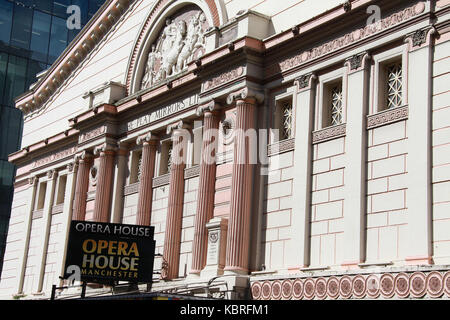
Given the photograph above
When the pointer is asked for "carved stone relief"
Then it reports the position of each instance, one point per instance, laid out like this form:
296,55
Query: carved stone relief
181,41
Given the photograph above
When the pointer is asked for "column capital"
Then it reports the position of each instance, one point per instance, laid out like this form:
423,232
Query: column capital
52,174
33,180
245,94
148,138
210,107
83,156
305,81
179,125
105,148
71,167
358,61
420,37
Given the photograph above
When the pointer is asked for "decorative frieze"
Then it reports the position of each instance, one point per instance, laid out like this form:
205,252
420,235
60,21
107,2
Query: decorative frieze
387,285
347,39
192,172
57,156
329,133
280,147
161,180
57,209
131,189
223,78
387,117
37,214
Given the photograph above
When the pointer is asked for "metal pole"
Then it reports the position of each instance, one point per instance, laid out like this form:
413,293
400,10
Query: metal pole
53,292
83,290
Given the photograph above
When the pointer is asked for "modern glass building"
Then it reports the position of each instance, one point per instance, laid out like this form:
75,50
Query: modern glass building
33,33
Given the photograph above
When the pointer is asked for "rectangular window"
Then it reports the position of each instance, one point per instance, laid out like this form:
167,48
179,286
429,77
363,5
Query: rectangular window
40,36
21,28
41,196
394,85
61,193
6,13
333,104
136,166
165,157
58,38
15,79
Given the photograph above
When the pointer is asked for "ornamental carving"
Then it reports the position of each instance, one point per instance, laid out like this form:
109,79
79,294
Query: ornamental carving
419,284
181,41
387,117
329,133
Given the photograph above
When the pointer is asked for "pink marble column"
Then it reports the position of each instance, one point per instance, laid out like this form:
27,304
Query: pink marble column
149,147
238,238
171,254
103,193
82,185
206,189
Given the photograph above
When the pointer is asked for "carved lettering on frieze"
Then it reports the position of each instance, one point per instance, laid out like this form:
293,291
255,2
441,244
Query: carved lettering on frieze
160,113
85,136
55,157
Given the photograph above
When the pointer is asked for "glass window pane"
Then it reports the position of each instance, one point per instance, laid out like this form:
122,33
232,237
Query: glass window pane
34,67
3,64
21,29
15,79
10,131
58,38
60,8
94,5
6,12
40,36
45,6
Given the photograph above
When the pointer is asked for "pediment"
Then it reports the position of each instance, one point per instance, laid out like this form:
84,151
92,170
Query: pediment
173,35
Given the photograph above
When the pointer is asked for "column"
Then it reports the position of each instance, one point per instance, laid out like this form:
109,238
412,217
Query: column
149,147
172,238
84,165
356,154
104,183
299,246
419,194
31,198
72,169
206,188
238,239
52,177
119,182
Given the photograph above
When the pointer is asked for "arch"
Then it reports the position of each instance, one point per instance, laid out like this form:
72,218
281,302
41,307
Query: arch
153,24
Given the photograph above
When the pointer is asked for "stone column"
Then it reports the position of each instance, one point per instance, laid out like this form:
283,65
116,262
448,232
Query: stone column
172,238
30,203
419,195
67,217
238,240
149,147
356,157
104,183
85,161
206,189
299,245
52,176
119,182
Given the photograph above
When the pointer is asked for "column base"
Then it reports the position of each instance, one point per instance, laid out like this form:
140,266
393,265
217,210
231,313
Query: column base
419,260
211,272
235,271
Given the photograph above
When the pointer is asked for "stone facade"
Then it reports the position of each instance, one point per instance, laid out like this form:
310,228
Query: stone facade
169,113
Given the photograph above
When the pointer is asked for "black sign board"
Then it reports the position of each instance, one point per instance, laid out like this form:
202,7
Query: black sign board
105,252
